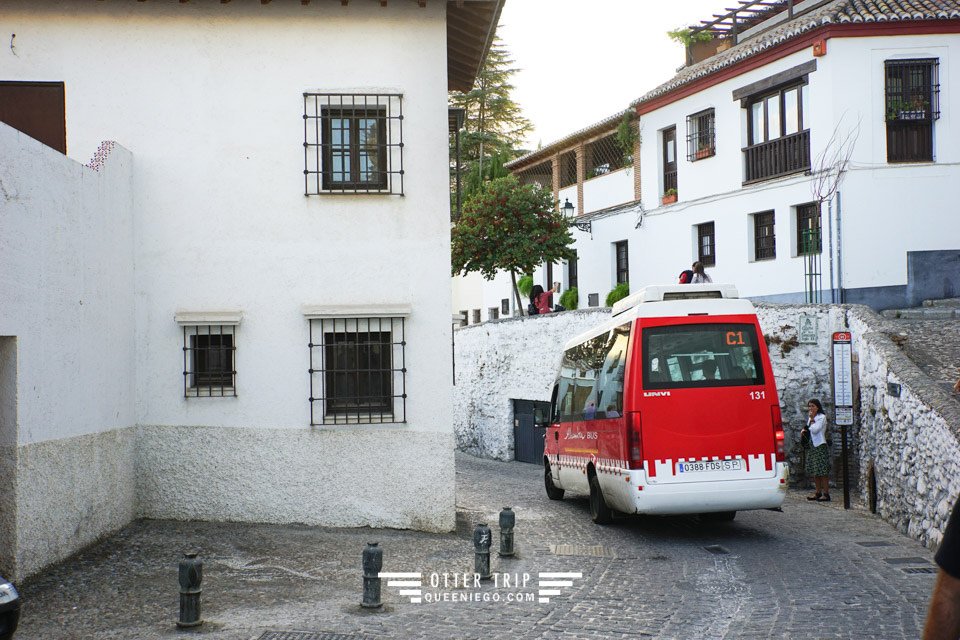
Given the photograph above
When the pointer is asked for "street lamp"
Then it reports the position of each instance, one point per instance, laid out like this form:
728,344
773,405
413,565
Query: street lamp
568,213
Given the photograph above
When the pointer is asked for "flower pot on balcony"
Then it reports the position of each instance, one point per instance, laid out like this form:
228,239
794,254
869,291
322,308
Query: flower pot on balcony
704,153
668,198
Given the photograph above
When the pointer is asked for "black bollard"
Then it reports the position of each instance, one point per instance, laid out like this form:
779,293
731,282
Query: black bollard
191,575
372,563
508,520
481,548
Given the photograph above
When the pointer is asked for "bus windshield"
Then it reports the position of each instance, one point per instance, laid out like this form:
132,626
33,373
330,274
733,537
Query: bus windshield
701,355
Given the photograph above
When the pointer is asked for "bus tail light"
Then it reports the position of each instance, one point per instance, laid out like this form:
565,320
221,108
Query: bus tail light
778,431
634,449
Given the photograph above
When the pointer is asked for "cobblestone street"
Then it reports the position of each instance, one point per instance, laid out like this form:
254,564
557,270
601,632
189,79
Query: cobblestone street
812,571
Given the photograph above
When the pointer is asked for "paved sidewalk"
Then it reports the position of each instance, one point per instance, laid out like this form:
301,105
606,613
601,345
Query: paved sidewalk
813,571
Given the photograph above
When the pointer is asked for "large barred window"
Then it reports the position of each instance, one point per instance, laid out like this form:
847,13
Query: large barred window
352,143
912,101
357,370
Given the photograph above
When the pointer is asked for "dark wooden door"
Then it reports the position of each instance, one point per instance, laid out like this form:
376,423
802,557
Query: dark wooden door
37,109
530,418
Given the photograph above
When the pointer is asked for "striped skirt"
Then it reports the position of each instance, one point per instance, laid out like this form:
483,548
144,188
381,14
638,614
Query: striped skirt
818,460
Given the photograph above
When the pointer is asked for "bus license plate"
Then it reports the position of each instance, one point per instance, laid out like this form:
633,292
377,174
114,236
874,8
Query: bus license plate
710,465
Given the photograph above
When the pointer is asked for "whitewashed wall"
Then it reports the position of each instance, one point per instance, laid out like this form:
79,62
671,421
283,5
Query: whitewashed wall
911,442
67,289
209,99
608,190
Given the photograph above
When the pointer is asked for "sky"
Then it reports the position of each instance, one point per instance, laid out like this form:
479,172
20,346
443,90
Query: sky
581,61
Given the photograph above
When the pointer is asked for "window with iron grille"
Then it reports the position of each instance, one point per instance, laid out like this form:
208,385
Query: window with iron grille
493,313
572,276
464,317
352,143
476,316
505,306
808,229
706,244
701,138
568,169
208,361
912,102
603,156
357,370
623,263
764,240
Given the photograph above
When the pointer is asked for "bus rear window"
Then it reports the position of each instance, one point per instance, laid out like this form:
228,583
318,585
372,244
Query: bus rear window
701,355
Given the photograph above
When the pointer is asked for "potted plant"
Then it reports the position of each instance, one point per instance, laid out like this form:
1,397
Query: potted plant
669,196
618,293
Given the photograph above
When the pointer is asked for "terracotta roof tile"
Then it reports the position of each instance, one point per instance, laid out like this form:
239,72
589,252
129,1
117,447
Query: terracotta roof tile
835,12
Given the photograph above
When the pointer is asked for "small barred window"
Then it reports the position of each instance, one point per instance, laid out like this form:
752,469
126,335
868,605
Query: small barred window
208,361
352,143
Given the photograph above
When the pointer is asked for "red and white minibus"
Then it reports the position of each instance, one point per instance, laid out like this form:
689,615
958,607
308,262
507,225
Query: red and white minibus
669,407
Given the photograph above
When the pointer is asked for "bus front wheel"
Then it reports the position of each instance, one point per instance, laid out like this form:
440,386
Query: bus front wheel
599,510
553,491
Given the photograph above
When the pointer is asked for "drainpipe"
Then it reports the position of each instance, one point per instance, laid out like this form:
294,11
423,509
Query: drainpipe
833,299
839,253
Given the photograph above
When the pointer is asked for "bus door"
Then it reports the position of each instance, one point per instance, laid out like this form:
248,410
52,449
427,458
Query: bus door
708,405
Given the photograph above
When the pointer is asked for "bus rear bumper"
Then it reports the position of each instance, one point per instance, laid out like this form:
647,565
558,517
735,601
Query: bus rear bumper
706,497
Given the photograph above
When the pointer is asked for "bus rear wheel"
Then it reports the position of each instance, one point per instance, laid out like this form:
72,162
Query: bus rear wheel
553,491
599,511
718,516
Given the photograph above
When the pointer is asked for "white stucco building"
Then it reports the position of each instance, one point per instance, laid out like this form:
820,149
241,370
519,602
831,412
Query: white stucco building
739,139
240,310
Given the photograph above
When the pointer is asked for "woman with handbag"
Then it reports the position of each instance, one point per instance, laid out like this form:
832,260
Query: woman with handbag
818,452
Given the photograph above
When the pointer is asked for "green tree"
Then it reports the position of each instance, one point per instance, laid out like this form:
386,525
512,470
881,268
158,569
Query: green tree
494,125
511,227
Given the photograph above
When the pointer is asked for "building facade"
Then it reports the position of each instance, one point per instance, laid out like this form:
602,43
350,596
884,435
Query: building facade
808,156
233,316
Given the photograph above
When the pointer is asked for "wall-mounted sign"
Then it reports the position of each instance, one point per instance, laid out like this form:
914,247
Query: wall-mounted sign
842,378
808,329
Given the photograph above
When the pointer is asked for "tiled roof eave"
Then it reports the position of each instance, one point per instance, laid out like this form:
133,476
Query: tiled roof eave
840,12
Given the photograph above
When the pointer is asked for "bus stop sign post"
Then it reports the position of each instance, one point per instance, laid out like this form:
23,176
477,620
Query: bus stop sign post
843,400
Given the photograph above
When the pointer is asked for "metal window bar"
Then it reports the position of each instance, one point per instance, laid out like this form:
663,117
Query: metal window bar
669,180
541,174
912,89
568,169
765,247
505,306
623,263
361,378
352,143
209,361
808,221
912,104
706,253
701,137
572,274
811,243
493,313
476,316
604,156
